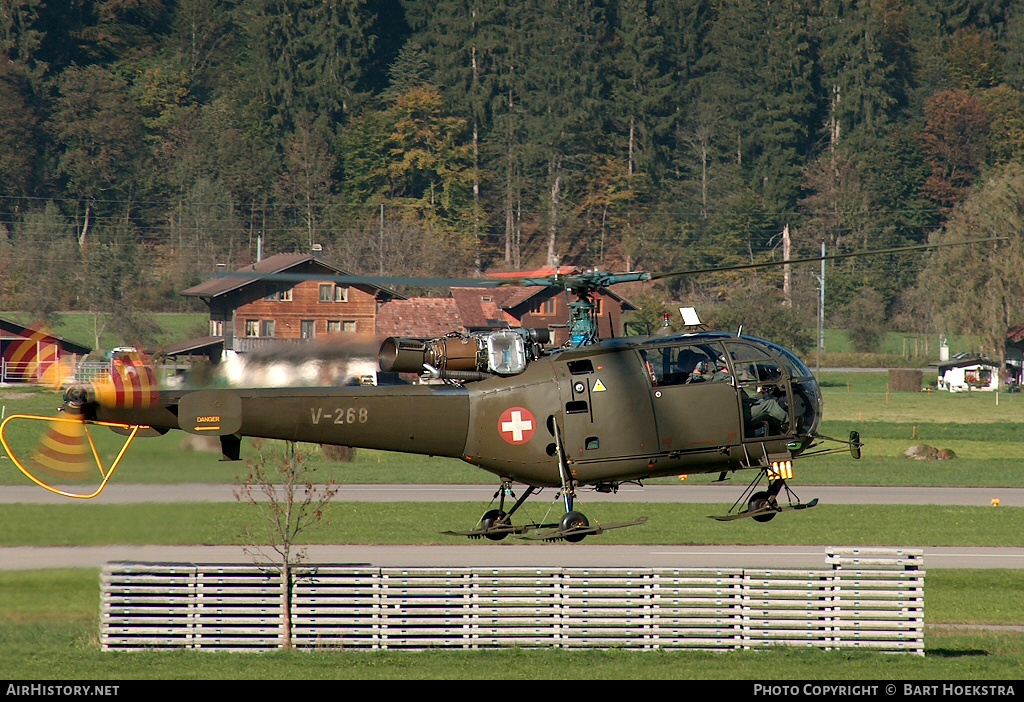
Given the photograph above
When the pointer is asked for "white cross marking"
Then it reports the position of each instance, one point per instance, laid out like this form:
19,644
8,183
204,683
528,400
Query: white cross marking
517,426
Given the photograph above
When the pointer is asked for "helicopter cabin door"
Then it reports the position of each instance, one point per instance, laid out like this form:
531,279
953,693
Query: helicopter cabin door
764,391
607,413
695,409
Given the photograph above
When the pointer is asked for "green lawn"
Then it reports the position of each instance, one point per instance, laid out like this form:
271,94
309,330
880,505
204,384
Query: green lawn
80,524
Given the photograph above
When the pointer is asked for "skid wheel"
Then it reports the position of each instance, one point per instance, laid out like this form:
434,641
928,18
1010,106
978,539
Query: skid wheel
573,520
491,518
759,500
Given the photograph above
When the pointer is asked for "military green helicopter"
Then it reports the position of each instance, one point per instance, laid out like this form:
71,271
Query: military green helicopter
591,414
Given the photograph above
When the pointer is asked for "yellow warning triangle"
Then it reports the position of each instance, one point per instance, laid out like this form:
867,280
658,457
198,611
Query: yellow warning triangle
599,386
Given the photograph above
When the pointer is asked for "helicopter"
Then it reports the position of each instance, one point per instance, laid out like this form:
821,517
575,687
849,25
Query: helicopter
594,413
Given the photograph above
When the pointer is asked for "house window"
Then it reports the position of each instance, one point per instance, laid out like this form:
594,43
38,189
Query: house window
333,327
598,306
333,293
276,292
252,327
308,329
348,326
216,327
543,307
267,327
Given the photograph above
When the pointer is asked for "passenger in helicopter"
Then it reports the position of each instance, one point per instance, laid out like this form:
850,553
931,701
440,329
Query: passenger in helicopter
764,408
762,411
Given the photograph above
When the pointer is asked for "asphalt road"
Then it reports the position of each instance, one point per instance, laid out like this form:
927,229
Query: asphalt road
511,553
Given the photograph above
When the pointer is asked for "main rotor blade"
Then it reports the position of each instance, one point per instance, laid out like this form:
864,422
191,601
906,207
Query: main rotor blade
816,259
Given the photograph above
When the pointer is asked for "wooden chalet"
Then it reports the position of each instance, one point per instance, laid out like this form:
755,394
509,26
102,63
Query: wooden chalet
250,311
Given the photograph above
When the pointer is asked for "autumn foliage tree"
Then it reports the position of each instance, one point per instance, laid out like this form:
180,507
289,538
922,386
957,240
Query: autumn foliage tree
954,140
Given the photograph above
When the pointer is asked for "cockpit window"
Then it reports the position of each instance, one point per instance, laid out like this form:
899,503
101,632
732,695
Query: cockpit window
754,365
683,364
796,368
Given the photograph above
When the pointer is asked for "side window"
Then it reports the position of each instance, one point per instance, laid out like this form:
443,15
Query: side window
680,365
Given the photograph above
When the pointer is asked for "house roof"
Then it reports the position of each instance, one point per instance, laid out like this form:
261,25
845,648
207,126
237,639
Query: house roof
200,346
279,263
11,330
483,309
420,317
966,362
538,273
1016,334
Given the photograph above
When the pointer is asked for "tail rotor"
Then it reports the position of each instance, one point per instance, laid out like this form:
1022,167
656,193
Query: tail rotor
66,452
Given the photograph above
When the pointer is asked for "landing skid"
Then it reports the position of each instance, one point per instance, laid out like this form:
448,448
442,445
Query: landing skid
499,532
544,532
763,505
765,511
579,532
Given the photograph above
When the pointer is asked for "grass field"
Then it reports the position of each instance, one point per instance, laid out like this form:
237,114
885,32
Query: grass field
49,619
422,523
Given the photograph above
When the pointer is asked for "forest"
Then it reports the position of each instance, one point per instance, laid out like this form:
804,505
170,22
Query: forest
143,142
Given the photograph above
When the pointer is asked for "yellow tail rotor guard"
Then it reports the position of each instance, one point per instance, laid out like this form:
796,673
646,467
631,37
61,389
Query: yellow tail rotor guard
105,473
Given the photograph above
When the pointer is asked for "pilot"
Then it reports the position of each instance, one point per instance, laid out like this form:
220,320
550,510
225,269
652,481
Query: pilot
721,370
701,372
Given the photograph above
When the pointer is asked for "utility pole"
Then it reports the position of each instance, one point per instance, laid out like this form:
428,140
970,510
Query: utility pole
821,308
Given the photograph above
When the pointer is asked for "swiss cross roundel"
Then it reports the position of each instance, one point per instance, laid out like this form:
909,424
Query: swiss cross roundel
517,425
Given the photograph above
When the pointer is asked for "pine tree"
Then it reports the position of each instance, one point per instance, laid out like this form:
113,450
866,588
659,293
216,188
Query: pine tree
303,57
640,87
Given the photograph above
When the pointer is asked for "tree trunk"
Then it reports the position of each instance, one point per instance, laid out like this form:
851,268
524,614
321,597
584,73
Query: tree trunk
556,187
631,137
85,226
286,605
787,291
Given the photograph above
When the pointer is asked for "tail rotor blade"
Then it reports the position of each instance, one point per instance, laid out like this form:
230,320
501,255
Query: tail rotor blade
64,452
